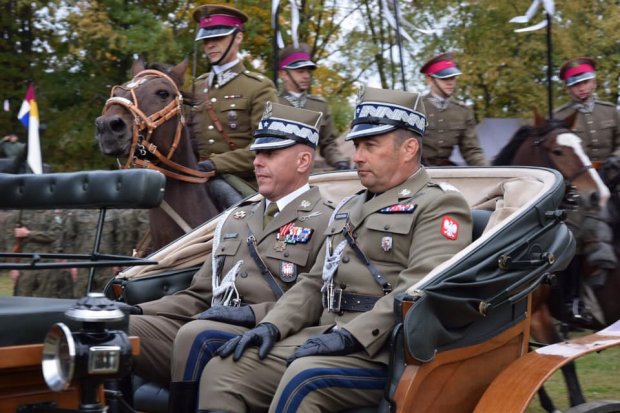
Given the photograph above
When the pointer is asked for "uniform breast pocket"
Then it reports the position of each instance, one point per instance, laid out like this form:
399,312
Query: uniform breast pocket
387,237
228,248
234,114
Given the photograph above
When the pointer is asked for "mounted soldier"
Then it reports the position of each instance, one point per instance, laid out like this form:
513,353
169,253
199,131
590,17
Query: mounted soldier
450,122
598,125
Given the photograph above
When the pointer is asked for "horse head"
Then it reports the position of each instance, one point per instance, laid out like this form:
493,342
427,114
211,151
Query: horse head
551,143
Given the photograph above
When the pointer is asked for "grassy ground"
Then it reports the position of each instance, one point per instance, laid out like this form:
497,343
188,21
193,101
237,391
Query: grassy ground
599,373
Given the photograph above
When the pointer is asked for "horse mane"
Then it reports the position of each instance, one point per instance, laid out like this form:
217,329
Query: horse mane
508,152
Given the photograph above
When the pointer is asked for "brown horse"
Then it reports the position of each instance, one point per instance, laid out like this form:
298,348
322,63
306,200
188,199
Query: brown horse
552,144
143,121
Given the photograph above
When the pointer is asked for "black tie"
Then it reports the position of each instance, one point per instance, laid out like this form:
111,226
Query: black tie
271,212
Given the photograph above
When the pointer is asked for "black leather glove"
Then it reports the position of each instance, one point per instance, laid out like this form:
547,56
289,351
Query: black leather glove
206,166
263,335
126,308
239,316
342,166
335,343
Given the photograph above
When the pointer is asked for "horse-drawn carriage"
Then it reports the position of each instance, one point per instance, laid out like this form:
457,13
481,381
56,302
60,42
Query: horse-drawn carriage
461,341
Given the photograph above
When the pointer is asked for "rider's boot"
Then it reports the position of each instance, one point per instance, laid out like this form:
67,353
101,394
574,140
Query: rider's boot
183,397
599,251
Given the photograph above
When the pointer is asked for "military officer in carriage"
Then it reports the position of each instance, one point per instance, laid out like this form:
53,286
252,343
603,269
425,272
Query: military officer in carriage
259,248
598,125
326,340
230,102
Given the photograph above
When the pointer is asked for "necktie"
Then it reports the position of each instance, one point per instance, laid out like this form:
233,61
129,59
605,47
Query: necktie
271,211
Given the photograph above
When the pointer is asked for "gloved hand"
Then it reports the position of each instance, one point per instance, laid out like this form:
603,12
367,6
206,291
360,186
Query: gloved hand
206,166
126,308
263,335
239,316
342,166
335,343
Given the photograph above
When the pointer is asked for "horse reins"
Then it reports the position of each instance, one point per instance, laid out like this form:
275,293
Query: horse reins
142,144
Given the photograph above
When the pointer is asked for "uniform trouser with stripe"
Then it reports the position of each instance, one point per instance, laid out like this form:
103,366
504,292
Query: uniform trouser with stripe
195,344
156,335
309,384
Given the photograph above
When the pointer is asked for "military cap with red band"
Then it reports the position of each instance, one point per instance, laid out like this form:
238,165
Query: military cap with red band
295,58
578,70
441,66
216,20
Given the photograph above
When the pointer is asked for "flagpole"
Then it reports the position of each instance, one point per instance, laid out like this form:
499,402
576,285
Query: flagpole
549,66
276,52
400,44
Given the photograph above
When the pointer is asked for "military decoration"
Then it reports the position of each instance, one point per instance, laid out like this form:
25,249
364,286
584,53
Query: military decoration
449,228
291,234
288,272
386,243
398,209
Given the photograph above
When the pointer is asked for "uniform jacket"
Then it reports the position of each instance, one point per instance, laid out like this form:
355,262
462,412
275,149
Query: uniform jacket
417,246
239,102
308,210
448,127
328,146
599,130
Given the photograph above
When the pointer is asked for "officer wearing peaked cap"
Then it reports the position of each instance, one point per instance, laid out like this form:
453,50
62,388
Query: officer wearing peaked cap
450,122
295,69
230,102
334,325
598,125
258,251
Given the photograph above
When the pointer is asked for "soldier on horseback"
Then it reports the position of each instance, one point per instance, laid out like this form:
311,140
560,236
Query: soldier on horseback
598,125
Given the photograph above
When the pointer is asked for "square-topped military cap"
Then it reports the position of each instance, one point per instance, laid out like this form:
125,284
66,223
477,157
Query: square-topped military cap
380,111
282,126
442,66
292,57
216,20
578,70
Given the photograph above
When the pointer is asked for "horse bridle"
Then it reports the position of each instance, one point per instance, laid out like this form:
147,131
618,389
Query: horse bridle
142,144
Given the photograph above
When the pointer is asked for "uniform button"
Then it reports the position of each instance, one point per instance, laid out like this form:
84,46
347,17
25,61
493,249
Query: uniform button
213,99
386,227
440,120
346,259
217,86
211,141
244,274
210,127
223,249
375,332
286,253
232,105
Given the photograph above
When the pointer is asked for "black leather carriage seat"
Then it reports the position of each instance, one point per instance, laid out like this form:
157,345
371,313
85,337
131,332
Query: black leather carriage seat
480,218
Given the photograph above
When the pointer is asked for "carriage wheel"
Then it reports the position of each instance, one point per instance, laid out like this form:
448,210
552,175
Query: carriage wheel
597,406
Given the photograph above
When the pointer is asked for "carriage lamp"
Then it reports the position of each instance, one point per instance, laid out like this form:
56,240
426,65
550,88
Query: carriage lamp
89,356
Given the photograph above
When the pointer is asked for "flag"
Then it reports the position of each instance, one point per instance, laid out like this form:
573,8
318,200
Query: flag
29,116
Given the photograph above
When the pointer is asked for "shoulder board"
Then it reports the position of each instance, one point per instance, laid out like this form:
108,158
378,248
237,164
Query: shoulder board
247,202
564,107
329,203
602,102
446,187
254,75
319,98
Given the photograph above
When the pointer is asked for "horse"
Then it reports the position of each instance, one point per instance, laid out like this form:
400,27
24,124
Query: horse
552,144
143,121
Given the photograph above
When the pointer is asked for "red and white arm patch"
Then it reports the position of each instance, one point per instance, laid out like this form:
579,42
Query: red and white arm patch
449,228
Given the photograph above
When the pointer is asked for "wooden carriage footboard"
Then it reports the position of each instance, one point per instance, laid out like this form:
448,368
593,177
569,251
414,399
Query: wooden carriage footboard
514,388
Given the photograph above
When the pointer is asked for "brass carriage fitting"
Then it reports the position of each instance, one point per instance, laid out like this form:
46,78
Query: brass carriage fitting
503,262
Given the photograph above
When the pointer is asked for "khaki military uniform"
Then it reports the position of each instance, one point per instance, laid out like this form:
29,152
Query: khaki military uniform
238,97
447,128
328,146
599,130
79,238
162,318
46,228
404,245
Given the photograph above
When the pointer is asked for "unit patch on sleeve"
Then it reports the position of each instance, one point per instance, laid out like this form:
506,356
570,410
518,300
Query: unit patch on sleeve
449,228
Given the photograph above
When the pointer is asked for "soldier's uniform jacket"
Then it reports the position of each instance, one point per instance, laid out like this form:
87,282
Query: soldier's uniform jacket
599,129
404,243
284,259
238,98
328,146
454,125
